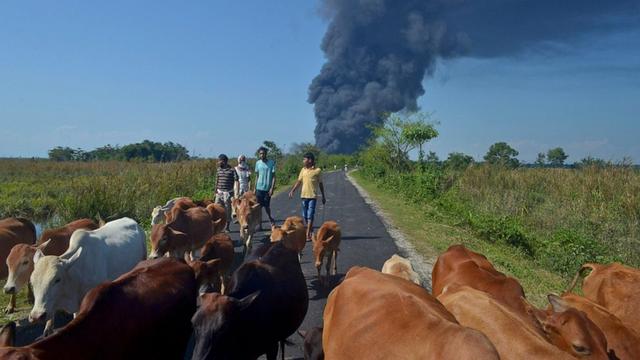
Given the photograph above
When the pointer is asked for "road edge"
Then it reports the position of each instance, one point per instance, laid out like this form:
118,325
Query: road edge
421,265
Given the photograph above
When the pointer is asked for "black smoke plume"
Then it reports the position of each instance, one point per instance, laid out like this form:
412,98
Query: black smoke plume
379,51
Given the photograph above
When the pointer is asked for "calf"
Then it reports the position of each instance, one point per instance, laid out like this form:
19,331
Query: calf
462,266
219,246
152,305
513,335
624,341
292,234
183,203
312,343
327,242
266,302
218,216
249,216
14,231
372,315
189,230
616,287
400,267
60,282
20,259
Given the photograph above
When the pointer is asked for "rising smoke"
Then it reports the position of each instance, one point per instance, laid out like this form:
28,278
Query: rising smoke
379,51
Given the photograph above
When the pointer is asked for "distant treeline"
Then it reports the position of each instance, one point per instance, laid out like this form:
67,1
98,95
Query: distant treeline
145,151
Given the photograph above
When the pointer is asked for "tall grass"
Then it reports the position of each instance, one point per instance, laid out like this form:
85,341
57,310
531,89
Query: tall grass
559,217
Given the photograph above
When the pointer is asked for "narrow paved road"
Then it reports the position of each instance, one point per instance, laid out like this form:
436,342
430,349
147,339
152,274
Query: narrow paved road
365,242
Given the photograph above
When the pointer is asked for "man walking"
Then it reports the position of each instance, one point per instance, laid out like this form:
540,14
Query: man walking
225,178
265,182
310,179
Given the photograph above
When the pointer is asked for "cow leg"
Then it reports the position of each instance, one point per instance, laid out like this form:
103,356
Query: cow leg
222,284
272,351
282,349
335,262
48,328
30,298
328,268
12,304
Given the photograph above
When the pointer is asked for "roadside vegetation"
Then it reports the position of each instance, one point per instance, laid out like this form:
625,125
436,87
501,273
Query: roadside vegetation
538,222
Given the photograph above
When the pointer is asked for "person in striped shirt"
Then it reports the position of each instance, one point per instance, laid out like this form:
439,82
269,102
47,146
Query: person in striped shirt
226,176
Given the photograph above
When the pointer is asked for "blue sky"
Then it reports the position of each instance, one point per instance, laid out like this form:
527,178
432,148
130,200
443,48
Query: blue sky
223,76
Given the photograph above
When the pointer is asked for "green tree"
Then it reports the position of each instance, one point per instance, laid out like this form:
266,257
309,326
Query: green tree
60,153
274,151
458,161
541,159
556,156
398,135
418,132
591,161
502,154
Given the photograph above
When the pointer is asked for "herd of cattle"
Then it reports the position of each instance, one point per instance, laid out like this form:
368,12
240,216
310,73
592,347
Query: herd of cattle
126,306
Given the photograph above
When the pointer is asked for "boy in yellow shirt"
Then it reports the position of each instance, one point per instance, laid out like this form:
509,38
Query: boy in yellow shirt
310,178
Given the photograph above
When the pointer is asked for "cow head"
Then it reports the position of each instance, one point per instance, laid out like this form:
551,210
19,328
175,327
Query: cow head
218,325
572,331
20,265
207,275
164,240
157,215
49,279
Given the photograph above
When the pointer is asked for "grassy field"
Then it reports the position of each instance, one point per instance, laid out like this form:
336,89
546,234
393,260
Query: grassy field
432,231
54,193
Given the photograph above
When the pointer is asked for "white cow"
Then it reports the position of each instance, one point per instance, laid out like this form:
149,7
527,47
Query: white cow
93,257
158,212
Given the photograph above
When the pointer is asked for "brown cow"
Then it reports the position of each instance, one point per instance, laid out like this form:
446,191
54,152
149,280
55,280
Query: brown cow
189,230
144,314
20,259
623,340
249,216
266,302
218,216
459,265
57,239
616,287
219,246
14,231
372,315
398,266
250,196
327,242
8,334
513,335
292,234
182,203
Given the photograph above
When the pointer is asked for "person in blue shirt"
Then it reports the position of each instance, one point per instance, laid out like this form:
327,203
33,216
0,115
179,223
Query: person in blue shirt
265,182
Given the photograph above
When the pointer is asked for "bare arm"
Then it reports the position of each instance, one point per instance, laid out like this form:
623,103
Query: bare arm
293,189
273,184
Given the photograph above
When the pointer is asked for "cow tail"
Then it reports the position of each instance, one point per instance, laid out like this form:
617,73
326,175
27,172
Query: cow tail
579,275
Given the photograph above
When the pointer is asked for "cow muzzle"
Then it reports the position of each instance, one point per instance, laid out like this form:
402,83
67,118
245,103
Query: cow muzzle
35,317
9,289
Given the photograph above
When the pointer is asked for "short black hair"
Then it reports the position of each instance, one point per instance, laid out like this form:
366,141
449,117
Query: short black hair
309,156
262,148
223,157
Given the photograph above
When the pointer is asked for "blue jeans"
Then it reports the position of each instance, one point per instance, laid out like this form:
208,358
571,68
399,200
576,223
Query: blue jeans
308,209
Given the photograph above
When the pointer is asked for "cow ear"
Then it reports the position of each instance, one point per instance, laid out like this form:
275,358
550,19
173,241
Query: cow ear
37,256
246,301
8,334
557,303
72,260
